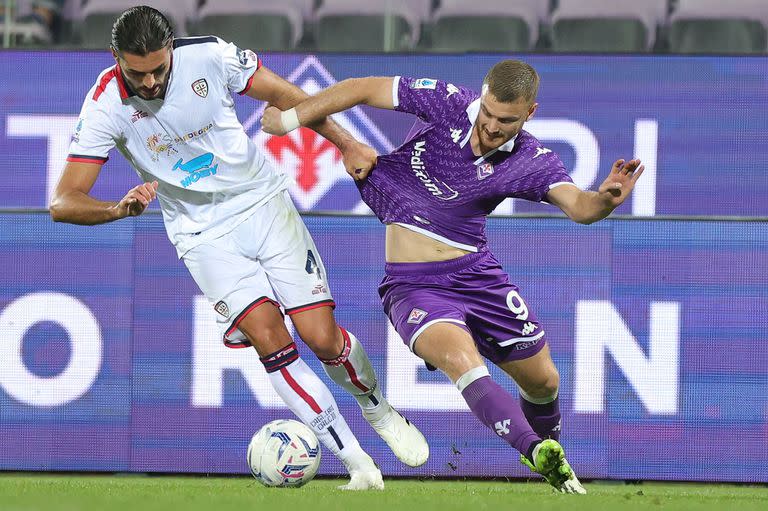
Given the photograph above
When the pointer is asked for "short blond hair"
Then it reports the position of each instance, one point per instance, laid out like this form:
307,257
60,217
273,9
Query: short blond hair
512,79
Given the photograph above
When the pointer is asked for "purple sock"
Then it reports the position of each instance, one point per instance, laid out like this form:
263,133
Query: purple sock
544,419
497,409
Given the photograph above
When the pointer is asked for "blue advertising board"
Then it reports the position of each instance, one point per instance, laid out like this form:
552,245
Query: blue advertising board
698,123
111,360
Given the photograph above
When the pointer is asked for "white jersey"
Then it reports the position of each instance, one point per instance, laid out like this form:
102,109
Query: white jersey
211,175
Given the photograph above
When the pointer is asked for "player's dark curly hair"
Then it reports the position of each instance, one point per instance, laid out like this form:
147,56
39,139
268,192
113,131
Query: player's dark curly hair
141,30
512,79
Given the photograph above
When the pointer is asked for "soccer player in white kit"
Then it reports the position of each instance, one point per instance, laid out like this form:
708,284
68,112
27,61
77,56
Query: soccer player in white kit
167,106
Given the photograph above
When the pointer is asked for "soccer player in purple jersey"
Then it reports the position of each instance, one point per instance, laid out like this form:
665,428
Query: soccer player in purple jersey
444,291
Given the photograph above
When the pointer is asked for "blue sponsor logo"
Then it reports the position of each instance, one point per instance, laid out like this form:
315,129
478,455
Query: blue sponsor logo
197,168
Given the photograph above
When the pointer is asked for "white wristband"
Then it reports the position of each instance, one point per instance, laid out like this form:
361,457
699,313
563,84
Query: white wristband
290,120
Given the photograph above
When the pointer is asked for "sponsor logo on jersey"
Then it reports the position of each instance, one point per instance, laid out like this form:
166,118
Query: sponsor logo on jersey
434,186
452,89
200,87
424,83
319,180
78,129
416,316
160,144
243,56
197,168
193,134
540,151
484,170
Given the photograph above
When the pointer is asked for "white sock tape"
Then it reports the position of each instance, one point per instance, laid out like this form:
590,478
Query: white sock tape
290,120
471,376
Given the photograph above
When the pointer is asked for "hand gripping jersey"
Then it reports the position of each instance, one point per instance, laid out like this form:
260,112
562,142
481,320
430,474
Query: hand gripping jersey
211,174
433,183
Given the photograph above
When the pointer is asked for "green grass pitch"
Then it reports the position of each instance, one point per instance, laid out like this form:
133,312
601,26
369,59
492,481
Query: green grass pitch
28,492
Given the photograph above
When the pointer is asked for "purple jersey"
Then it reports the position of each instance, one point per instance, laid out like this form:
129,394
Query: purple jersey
435,185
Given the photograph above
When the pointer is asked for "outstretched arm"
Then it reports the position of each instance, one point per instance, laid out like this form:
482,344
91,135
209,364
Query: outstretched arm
281,94
373,91
589,207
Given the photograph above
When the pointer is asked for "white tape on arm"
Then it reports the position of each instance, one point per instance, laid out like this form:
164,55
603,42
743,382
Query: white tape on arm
290,120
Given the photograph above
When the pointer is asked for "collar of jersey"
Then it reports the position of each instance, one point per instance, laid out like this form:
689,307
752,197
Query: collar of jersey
125,91
472,110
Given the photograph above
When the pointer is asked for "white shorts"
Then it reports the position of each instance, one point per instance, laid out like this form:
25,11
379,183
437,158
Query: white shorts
270,257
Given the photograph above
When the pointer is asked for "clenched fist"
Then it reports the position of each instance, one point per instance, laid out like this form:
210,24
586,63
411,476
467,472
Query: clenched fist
137,199
271,121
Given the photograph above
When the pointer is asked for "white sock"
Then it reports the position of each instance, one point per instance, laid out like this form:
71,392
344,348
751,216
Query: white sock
308,397
353,371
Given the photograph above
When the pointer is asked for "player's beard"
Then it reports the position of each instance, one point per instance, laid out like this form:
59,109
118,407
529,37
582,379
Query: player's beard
490,141
156,92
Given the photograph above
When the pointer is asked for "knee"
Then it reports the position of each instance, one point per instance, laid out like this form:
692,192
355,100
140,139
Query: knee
269,338
544,387
324,340
457,363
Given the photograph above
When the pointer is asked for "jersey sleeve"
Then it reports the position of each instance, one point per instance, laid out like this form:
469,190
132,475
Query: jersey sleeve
94,134
429,99
239,66
546,171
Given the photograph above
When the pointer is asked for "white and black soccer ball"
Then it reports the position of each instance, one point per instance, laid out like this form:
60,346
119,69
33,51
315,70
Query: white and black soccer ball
284,453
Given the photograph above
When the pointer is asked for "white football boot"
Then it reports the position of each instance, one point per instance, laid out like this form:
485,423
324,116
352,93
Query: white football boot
405,440
365,476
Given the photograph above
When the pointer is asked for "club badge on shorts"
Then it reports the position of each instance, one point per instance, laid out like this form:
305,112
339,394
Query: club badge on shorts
416,316
200,87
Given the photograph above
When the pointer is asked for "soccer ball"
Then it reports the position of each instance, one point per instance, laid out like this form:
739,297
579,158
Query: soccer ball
284,453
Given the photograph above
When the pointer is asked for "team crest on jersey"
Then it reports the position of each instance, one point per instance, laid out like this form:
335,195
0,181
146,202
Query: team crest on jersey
160,144
200,87
222,308
313,163
484,170
416,316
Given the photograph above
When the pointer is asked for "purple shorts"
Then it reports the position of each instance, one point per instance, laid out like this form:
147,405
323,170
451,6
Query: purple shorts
474,293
